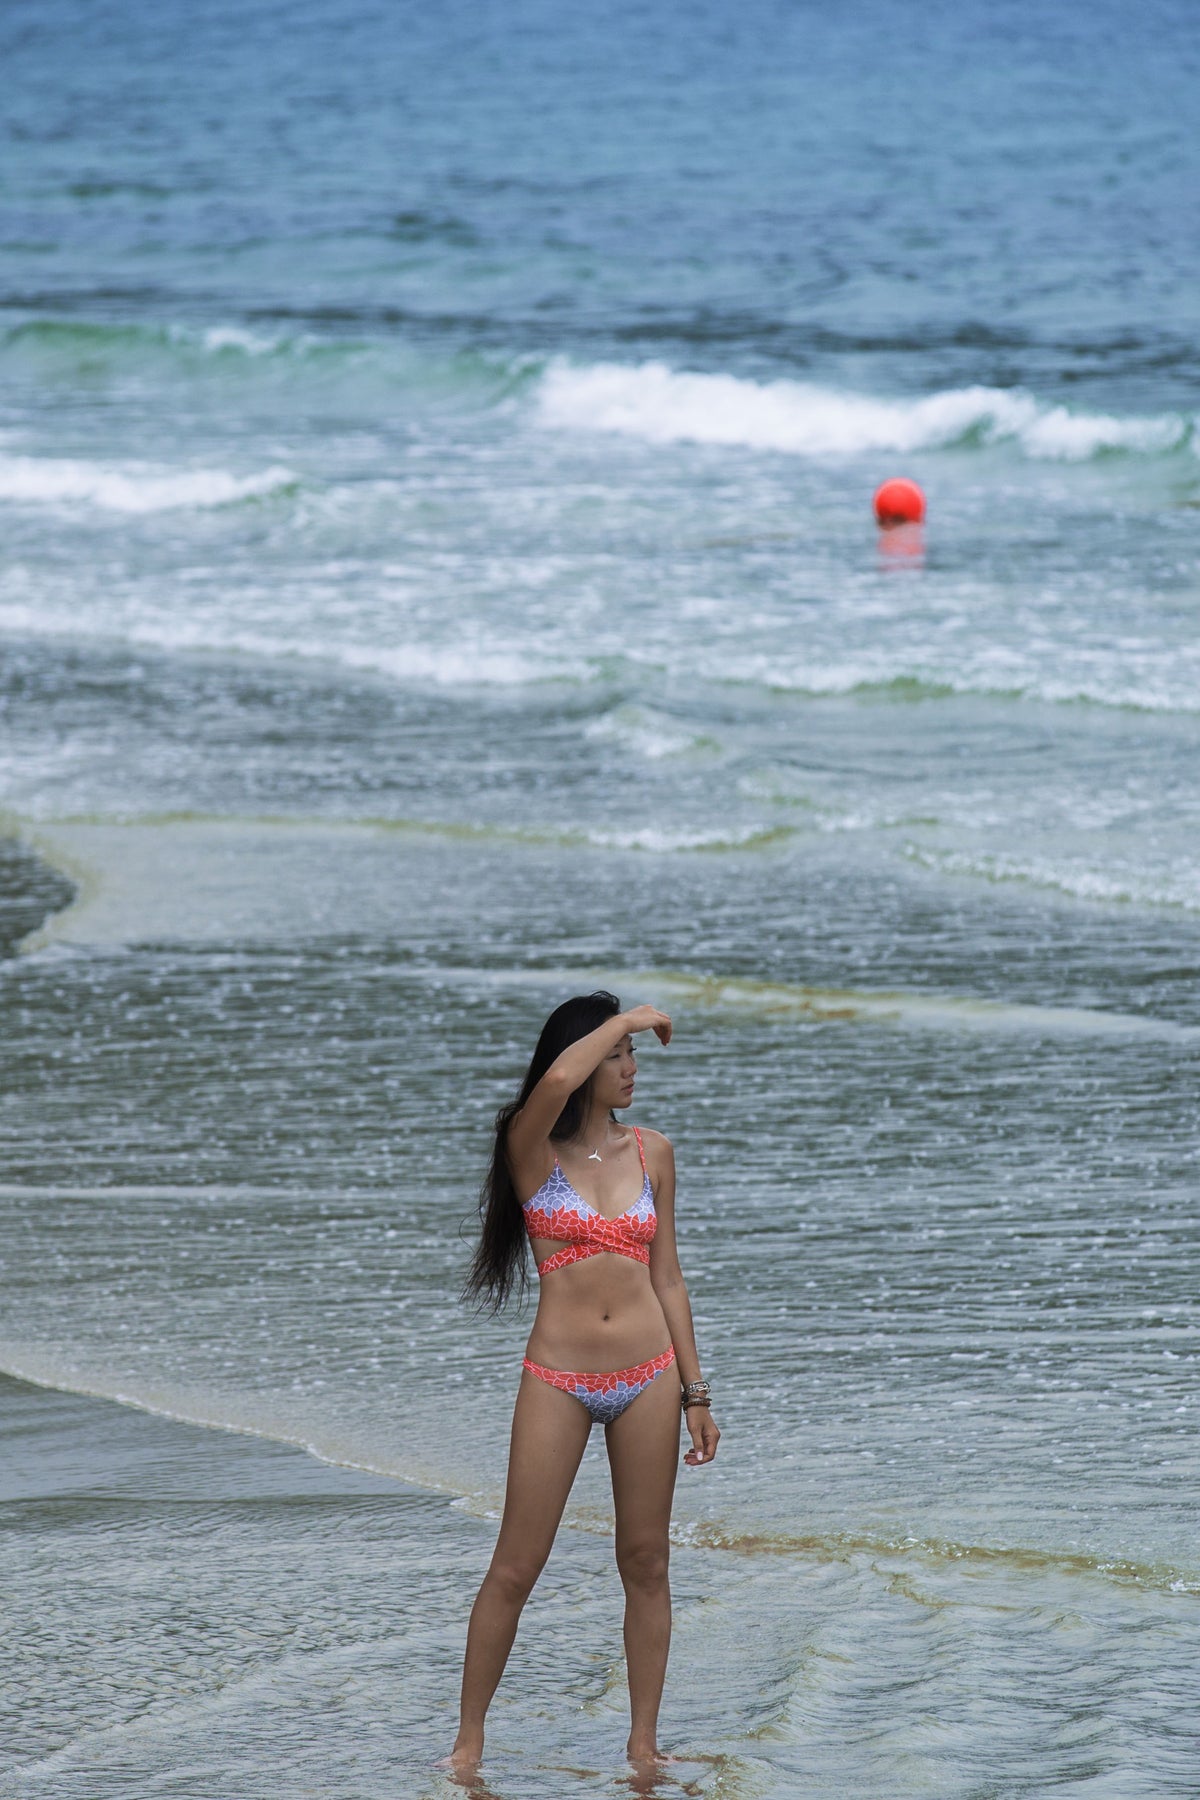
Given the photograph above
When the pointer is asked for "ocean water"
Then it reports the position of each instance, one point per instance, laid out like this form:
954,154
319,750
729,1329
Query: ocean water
437,575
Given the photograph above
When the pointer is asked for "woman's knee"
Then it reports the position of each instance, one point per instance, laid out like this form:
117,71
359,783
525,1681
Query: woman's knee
644,1562
513,1578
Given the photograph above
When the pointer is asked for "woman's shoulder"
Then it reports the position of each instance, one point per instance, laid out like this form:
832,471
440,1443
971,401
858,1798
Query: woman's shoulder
656,1142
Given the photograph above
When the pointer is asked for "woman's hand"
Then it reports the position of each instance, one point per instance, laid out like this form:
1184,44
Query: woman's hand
648,1018
704,1434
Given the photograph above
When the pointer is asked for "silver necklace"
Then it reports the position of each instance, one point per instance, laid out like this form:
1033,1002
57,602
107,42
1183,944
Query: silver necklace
594,1155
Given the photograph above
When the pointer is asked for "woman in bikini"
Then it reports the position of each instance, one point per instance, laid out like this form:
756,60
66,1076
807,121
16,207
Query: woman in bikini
612,1342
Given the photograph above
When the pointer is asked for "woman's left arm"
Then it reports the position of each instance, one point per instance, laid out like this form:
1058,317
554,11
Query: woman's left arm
666,1278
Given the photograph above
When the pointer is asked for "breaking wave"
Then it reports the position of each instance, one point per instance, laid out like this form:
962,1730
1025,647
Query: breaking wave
649,400
61,481
663,406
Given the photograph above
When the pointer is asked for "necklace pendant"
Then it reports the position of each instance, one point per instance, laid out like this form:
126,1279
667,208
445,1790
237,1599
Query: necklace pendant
595,1156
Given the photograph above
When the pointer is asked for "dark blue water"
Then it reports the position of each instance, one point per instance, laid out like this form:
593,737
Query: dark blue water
962,193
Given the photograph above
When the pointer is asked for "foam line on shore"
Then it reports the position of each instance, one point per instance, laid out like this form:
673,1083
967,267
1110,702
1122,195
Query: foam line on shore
42,1368
932,1011
719,993
930,1551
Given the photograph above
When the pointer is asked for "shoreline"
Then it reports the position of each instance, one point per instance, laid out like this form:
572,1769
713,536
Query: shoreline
156,1441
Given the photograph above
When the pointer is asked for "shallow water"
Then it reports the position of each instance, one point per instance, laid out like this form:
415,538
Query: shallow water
438,576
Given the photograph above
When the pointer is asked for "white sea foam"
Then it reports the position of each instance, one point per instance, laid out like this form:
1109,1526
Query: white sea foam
644,733
1175,888
663,405
129,488
654,837
477,665
234,337
1168,682
466,665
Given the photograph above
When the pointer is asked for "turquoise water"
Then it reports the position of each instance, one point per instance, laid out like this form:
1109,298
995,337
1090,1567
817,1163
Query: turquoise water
438,575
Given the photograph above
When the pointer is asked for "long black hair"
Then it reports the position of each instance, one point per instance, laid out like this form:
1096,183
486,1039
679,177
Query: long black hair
498,1265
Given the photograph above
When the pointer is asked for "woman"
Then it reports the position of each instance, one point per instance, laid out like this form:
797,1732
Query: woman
612,1342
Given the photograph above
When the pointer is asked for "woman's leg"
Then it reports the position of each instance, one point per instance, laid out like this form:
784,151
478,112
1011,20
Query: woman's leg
643,1453
549,1433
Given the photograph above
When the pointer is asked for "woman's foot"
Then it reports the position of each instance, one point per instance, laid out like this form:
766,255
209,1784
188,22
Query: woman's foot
648,1765
643,1753
464,1760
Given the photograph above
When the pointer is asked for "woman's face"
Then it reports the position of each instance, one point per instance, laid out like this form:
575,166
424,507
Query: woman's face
612,1084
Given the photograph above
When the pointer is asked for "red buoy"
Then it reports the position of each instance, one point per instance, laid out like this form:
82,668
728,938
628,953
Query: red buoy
899,502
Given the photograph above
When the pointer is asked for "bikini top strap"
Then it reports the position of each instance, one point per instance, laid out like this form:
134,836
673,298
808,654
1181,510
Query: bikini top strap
637,1134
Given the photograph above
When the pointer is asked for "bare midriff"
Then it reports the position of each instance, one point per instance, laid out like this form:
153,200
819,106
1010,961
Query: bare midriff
601,1313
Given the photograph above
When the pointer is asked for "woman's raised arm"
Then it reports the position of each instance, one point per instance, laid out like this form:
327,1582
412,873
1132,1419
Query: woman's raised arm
530,1129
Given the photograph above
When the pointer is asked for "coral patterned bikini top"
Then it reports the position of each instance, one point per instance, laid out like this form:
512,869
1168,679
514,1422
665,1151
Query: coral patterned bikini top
557,1211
